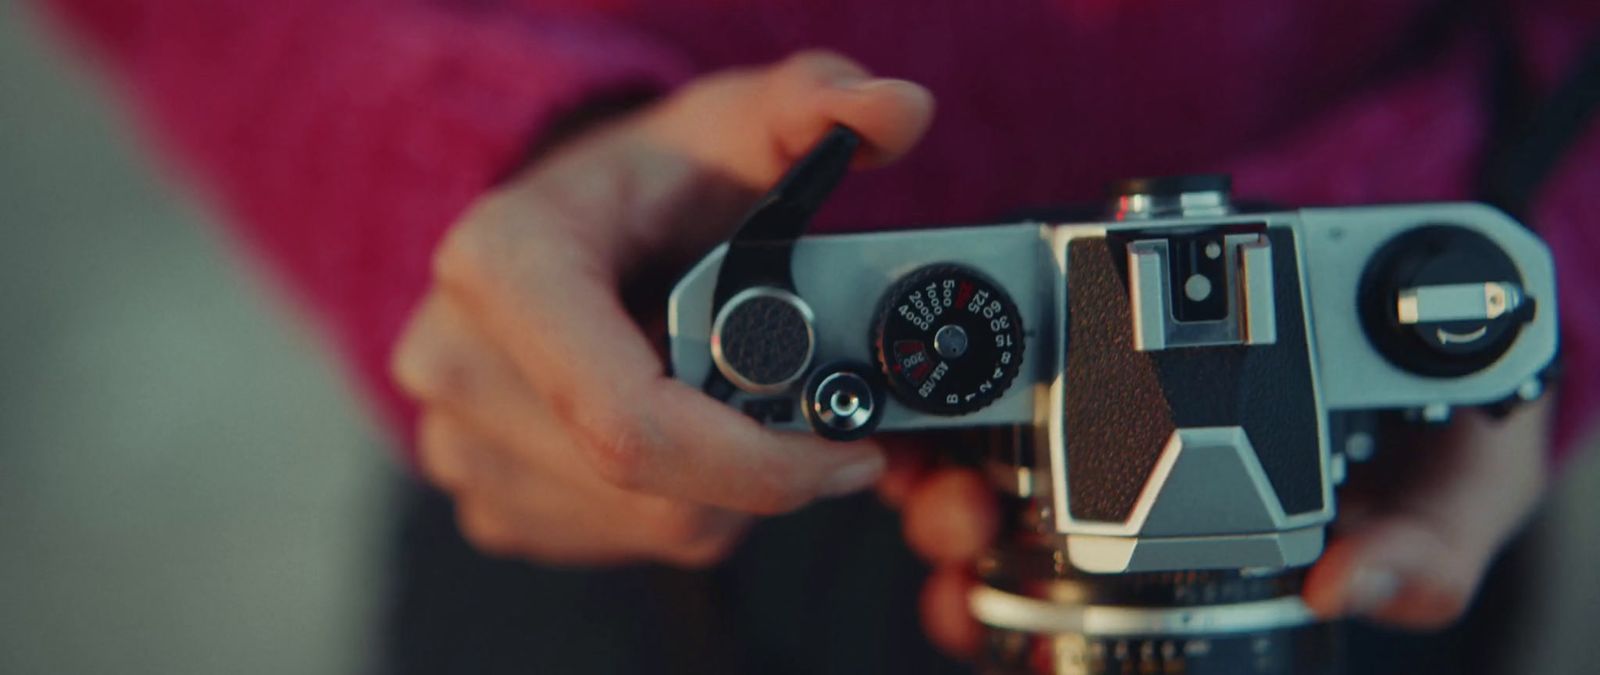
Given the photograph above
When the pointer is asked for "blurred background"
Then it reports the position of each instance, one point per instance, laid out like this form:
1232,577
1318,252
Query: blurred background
187,487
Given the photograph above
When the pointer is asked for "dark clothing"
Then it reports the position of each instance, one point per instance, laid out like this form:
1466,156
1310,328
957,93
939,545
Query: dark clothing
830,589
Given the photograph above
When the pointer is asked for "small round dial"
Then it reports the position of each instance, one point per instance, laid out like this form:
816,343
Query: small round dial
762,339
949,340
1443,301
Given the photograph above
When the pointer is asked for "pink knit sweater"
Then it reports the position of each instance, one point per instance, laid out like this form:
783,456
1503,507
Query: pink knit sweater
343,137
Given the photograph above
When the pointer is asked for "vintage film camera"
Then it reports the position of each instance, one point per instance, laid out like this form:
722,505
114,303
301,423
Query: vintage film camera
1172,393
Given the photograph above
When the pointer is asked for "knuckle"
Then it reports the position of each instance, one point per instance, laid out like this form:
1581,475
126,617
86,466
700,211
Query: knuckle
454,261
1447,572
440,452
472,247
677,525
1461,545
486,531
690,535
428,372
618,453
701,555
405,364
411,351
447,377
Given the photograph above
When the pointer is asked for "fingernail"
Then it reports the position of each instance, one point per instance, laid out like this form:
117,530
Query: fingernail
853,477
1370,588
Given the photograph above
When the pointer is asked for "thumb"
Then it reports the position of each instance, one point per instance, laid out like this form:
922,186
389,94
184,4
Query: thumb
751,125
812,91
1417,562
696,160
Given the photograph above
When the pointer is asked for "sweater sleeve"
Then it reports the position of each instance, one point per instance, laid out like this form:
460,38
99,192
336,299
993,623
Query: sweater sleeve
342,138
1422,136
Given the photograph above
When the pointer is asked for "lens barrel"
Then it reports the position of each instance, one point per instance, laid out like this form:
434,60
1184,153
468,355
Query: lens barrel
1305,650
1046,618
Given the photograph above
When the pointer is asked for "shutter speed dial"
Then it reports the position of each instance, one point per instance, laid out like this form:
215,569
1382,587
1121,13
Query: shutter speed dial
949,340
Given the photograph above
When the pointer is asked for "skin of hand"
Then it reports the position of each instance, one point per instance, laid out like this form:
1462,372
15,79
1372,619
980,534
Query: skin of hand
546,409
1417,529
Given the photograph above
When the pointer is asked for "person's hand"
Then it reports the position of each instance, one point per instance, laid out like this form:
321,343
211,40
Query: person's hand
949,515
546,410
1417,529
1420,524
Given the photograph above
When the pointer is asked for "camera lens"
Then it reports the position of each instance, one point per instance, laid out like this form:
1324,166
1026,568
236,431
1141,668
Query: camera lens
1046,618
1305,650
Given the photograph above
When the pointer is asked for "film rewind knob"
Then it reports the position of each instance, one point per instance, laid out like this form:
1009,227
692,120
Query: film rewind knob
1443,301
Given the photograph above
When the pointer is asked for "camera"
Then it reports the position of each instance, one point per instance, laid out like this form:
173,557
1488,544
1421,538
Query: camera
1167,397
